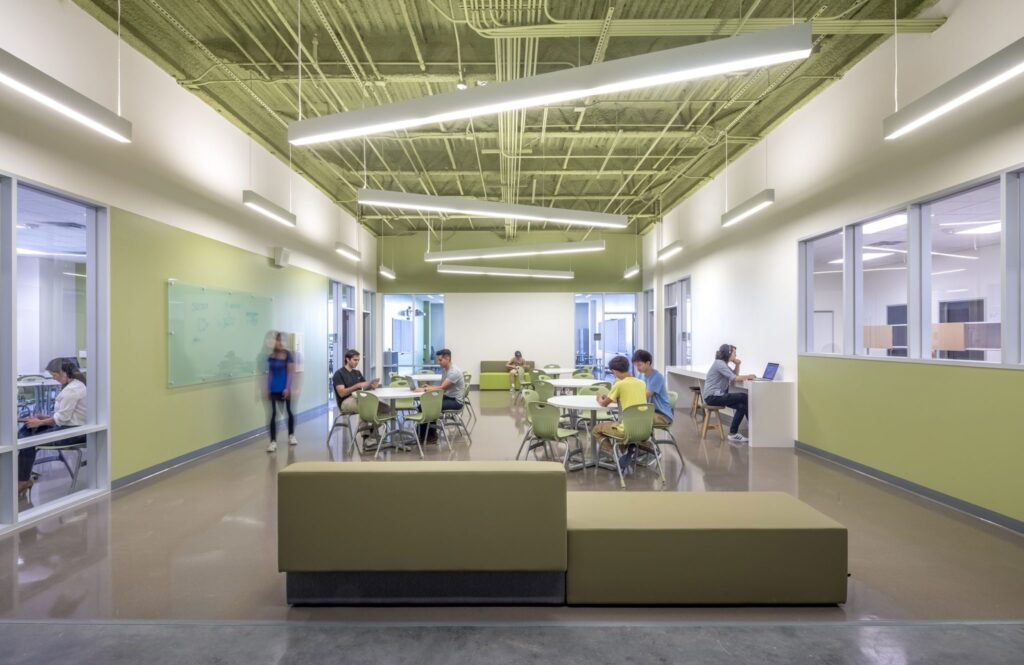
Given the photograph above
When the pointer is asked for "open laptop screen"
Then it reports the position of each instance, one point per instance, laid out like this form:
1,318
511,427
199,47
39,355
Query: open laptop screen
770,371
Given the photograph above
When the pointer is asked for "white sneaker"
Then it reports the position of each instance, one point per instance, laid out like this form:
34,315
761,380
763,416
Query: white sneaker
738,438
272,448
292,441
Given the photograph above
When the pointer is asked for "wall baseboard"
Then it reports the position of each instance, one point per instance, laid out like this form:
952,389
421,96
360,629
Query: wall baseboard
960,505
149,472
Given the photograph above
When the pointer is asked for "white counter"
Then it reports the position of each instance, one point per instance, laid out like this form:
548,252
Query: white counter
772,415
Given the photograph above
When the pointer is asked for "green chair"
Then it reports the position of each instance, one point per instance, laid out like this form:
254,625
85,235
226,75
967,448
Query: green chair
552,366
529,396
454,416
583,374
604,384
430,415
673,397
522,383
77,445
544,389
545,430
406,404
590,418
369,405
638,424
467,379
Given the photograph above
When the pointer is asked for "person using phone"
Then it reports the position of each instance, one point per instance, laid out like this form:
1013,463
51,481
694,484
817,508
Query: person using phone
349,380
725,371
280,375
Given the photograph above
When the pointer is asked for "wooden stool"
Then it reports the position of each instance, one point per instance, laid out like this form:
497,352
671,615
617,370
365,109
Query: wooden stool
697,402
708,412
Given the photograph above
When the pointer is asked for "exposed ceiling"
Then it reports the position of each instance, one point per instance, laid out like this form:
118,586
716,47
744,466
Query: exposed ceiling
637,153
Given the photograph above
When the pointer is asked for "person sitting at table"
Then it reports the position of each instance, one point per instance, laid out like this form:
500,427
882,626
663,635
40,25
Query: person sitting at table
628,391
452,385
657,391
348,381
68,411
513,369
716,388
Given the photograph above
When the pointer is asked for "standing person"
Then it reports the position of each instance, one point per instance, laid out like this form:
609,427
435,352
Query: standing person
281,371
716,388
628,391
452,384
68,411
657,391
513,369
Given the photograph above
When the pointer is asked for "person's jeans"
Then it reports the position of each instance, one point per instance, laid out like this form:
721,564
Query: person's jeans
447,404
735,401
274,399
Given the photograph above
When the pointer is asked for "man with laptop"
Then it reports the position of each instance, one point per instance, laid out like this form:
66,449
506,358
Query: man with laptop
723,373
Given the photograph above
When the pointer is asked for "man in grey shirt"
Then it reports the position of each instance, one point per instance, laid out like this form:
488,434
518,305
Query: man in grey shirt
716,388
452,384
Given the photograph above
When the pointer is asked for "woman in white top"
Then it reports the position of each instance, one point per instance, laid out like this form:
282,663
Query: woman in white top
68,411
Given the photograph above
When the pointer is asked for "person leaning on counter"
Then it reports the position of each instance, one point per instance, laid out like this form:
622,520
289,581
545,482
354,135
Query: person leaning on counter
716,388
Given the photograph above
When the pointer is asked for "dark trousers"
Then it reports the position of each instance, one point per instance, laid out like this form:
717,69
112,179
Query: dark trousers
27,456
735,401
447,404
274,399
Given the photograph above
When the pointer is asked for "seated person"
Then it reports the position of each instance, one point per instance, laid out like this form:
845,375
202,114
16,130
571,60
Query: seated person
349,380
628,391
513,368
452,384
68,411
716,388
657,391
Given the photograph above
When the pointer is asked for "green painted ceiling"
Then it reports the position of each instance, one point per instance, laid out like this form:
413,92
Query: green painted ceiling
636,153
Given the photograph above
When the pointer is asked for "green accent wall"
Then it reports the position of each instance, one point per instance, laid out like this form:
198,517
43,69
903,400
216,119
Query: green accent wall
151,423
597,271
953,429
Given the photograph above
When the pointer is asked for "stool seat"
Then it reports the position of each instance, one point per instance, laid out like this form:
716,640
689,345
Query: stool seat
708,412
697,402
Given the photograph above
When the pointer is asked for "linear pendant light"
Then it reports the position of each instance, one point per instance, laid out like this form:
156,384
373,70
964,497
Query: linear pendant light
505,272
348,252
494,209
509,251
268,208
631,271
670,250
748,208
29,81
684,63
987,75
385,271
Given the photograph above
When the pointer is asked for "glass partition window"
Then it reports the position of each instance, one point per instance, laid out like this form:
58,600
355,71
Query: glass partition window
649,320
965,231
678,315
605,327
369,335
413,331
884,283
825,294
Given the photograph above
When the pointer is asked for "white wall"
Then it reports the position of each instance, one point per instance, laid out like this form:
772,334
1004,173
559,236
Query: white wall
493,326
830,166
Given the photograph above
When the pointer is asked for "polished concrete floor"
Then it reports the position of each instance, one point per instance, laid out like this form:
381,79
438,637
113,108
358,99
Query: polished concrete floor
199,542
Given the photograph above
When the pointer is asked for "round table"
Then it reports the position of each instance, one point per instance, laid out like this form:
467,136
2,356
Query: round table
557,371
572,384
575,403
419,378
392,394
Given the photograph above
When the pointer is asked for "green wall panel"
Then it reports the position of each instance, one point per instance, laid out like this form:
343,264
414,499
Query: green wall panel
151,423
597,271
953,429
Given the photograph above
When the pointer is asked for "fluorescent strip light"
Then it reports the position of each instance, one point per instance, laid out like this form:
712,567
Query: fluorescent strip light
384,271
505,272
903,251
29,81
838,272
988,229
957,290
866,256
684,63
74,274
987,221
64,255
748,208
348,252
493,209
268,208
949,272
976,81
510,251
632,271
670,250
884,224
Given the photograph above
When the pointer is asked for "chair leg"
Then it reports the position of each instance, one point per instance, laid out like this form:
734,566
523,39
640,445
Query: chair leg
78,467
718,424
615,459
657,460
419,445
705,425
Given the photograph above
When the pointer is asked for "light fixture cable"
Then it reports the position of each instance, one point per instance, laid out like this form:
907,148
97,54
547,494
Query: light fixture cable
896,56
119,57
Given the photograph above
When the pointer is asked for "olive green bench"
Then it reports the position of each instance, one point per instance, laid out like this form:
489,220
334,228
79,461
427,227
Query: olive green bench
703,548
494,375
422,532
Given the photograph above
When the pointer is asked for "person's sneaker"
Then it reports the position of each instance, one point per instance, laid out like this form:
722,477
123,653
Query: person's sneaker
272,448
292,441
626,459
738,438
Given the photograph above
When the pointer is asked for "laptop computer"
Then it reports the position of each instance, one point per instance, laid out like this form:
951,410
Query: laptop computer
769,372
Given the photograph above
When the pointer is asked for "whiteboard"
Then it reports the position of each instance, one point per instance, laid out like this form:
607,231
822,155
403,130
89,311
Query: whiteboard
215,335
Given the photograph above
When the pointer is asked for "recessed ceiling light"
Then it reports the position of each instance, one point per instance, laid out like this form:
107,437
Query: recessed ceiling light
987,229
866,256
461,85
884,224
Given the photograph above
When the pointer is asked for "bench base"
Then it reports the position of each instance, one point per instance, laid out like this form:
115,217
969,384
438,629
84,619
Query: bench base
426,588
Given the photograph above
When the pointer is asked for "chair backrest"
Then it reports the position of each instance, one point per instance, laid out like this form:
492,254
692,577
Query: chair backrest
638,422
398,382
430,403
545,390
544,419
582,374
673,397
606,384
368,404
552,366
593,389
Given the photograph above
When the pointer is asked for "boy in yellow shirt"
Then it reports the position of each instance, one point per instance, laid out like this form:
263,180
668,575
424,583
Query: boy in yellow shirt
627,391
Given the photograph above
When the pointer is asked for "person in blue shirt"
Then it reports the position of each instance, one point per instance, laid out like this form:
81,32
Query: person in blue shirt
657,392
280,372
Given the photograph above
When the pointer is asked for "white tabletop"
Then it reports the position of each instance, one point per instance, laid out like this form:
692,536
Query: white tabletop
395,393
572,383
578,402
427,377
552,371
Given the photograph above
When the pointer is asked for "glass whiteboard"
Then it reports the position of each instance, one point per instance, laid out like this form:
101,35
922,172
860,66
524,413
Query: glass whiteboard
215,335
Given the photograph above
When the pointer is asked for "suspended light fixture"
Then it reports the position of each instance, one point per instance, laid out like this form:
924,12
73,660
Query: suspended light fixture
987,75
511,251
670,250
748,208
685,63
348,252
385,271
492,209
268,208
505,272
631,271
29,81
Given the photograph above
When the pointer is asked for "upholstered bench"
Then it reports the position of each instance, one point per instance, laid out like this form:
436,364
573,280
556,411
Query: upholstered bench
422,532
713,548
494,375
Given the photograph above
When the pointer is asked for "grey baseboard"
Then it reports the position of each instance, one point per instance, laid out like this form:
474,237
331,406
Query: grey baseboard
207,450
971,509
